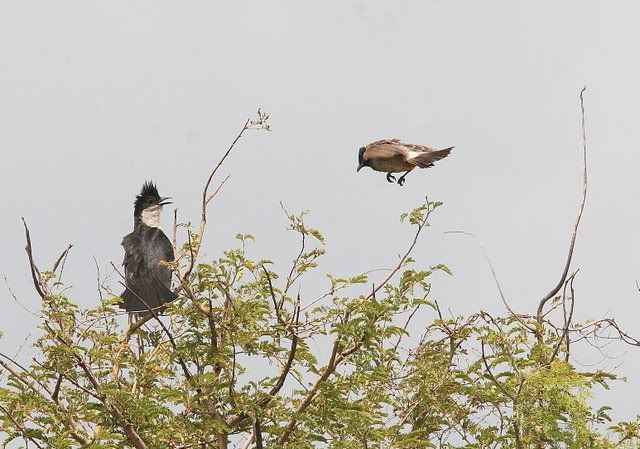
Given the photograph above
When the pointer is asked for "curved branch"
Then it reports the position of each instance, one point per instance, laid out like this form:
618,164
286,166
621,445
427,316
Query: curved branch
567,265
495,278
35,273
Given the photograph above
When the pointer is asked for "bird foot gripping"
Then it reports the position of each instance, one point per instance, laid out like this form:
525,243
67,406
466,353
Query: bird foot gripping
391,178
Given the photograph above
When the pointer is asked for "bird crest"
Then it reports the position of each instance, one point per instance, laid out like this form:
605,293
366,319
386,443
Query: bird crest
148,195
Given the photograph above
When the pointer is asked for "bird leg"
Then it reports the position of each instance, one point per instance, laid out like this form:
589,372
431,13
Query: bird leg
390,177
401,180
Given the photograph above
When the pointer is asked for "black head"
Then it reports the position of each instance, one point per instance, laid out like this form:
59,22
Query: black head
361,161
148,197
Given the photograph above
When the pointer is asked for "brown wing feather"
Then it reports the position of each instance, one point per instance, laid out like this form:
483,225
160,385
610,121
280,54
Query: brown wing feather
395,146
383,142
414,147
427,158
383,152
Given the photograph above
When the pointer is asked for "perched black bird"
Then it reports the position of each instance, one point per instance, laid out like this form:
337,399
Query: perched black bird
393,156
148,283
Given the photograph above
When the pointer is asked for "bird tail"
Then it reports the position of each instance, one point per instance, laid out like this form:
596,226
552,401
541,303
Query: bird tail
427,159
148,293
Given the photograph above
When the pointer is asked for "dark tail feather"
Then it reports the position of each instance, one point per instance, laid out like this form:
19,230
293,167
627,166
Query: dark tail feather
426,160
148,293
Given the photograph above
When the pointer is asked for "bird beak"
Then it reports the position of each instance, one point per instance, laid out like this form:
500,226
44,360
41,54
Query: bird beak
359,167
164,202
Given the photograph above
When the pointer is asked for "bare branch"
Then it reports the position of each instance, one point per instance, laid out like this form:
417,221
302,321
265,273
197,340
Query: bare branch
35,273
273,296
192,260
287,367
63,259
212,196
258,434
174,234
205,197
567,265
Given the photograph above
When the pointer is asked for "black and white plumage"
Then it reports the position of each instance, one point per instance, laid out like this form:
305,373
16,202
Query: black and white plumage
148,283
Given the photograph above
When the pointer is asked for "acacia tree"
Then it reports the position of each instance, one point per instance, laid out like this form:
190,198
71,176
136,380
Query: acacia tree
236,360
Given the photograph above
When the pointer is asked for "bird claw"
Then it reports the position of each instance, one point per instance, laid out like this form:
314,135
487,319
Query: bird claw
401,181
391,178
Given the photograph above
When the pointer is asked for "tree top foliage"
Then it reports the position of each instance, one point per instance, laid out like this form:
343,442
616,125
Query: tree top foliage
243,359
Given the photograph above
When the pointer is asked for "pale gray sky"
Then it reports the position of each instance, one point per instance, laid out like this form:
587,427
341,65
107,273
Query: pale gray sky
96,97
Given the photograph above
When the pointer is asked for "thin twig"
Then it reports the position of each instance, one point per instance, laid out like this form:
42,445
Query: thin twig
174,239
205,197
495,278
213,195
63,259
15,298
421,225
492,377
95,261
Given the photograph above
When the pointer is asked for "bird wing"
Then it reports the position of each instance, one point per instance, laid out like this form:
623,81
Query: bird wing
393,155
396,147
163,252
426,159
419,148
385,149
148,284
139,261
133,258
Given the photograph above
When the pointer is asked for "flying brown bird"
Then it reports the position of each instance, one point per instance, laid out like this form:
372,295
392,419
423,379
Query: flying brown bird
393,156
